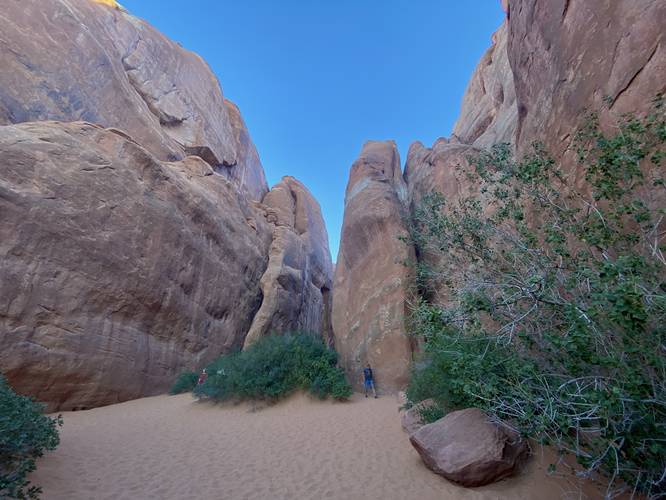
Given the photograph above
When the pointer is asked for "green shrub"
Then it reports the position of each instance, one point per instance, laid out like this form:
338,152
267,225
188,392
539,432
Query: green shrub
556,310
185,382
274,367
25,433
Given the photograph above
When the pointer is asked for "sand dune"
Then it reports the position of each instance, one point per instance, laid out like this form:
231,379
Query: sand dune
175,448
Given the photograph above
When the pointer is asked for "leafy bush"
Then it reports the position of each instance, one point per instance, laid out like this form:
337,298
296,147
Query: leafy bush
556,299
185,382
25,433
273,367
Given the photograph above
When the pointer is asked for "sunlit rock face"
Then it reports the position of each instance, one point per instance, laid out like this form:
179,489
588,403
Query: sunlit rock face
489,113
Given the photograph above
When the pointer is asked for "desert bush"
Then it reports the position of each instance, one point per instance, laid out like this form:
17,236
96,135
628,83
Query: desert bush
25,433
555,320
274,367
185,382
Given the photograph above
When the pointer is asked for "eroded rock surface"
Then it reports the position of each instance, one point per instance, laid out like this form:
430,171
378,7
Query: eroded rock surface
550,62
489,112
371,278
72,60
298,280
130,253
118,270
465,447
568,57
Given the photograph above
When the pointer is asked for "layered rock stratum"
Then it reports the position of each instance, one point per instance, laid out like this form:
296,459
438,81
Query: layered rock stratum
138,234
549,64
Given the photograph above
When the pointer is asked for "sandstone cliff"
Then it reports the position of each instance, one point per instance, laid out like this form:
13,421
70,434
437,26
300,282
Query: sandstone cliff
72,60
117,269
549,63
489,112
134,244
369,292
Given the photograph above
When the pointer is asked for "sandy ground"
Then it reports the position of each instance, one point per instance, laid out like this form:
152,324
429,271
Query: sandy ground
171,447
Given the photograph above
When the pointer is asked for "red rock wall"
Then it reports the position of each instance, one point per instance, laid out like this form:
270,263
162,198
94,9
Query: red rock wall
71,60
549,63
123,260
370,285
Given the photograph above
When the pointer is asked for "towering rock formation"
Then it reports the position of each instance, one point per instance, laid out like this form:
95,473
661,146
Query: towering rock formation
297,283
138,246
369,291
550,62
72,60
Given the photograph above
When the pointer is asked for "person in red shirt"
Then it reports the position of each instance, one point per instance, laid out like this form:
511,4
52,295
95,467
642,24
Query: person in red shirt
202,377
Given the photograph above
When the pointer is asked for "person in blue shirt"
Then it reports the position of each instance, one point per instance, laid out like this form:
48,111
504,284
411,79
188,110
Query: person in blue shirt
368,380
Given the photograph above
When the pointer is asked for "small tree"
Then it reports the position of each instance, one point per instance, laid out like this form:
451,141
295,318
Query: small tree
555,318
25,433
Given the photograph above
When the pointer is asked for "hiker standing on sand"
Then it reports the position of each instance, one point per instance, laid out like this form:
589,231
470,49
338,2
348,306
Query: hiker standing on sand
202,377
368,380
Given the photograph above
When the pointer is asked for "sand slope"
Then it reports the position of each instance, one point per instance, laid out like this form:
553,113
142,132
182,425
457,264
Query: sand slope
175,448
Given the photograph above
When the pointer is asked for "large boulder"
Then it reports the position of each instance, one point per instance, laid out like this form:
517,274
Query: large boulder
117,270
371,279
469,449
72,60
297,283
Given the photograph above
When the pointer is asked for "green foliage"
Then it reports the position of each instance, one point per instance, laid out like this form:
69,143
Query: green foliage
186,382
556,312
430,414
274,367
25,433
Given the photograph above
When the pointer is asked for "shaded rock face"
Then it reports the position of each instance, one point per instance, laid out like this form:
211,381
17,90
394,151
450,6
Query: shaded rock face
465,447
371,280
134,252
297,283
117,270
548,64
72,60
248,170
570,56
441,168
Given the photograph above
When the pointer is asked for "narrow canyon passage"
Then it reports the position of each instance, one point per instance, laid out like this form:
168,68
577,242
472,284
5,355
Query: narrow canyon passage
171,447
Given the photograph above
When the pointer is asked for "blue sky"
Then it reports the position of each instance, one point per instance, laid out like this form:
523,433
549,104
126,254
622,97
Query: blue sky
315,79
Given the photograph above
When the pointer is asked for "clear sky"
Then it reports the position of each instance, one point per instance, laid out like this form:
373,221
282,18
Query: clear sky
315,79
